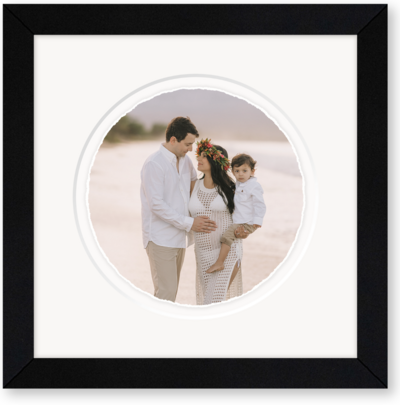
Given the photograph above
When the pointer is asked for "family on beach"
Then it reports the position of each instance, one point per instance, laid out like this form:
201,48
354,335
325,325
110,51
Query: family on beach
213,212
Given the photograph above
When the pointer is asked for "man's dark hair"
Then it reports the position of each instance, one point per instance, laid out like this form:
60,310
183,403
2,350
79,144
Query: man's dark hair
179,127
242,159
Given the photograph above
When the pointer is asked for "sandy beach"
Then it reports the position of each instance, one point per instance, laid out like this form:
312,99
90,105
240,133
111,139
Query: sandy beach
115,211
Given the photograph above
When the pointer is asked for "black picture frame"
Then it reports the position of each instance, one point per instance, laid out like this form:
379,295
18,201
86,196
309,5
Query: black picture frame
22,22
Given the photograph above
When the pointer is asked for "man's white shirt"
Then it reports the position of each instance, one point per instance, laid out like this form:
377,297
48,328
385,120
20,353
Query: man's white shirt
165,195
249,203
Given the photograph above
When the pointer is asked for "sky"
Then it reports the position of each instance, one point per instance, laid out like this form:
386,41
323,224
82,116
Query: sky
214,113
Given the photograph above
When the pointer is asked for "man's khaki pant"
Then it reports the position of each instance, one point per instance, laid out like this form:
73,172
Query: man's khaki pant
165,265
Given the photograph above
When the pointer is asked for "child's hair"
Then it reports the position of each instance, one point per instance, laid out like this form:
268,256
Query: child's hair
242,159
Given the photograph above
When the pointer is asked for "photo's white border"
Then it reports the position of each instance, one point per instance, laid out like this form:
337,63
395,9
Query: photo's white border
81,191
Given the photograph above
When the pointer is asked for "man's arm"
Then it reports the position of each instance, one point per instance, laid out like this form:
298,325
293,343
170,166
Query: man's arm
193,172
153,185
193,175
192,186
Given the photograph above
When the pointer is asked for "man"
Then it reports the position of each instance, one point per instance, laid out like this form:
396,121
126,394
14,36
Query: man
167,177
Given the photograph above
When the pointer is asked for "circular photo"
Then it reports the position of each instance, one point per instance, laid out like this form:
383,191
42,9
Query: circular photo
196,196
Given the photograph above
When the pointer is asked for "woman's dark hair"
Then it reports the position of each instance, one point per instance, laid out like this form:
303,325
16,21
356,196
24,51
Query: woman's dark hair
224,184
179,127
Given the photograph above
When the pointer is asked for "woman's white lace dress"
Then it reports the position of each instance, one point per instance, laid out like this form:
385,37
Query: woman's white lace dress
213,287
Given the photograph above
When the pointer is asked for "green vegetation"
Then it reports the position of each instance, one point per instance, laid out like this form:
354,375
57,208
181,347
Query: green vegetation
130,129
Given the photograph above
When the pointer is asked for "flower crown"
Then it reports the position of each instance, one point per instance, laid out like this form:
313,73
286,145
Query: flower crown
205,146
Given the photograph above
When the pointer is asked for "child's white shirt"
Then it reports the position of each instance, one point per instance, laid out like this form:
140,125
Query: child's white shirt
249,203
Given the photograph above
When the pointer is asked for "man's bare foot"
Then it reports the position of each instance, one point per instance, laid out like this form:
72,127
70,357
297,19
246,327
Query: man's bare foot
215,267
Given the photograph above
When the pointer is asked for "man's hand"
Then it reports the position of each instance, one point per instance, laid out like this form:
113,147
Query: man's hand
203,224
241,233
255,226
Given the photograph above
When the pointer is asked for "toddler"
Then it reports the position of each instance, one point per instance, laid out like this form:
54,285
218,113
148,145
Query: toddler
249,205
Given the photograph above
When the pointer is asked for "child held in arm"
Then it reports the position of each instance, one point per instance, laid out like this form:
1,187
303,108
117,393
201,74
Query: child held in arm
249,205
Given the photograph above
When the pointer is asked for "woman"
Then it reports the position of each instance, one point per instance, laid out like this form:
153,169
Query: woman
212,196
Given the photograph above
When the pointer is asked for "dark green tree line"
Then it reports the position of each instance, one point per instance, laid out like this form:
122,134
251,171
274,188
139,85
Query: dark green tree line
131,129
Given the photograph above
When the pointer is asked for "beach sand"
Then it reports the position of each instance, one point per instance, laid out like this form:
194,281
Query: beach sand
115,211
